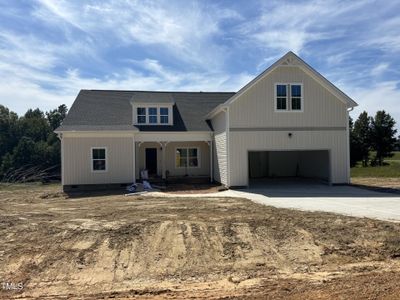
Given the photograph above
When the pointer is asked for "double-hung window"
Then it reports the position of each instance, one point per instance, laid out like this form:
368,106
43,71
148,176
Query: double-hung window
153,115
295,96
141,115
99,159
164,115
281,96
289,97
187,157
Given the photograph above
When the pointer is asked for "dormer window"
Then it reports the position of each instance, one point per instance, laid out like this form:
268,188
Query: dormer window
141,115
164,115
153,115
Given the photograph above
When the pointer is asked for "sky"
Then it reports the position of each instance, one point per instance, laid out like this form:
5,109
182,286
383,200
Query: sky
51,49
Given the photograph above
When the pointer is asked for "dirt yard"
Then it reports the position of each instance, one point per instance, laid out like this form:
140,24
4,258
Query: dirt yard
101,247
378,183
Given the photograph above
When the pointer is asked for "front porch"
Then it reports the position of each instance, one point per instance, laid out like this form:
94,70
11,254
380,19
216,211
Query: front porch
174,161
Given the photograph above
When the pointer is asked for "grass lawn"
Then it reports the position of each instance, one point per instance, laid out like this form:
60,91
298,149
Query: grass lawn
391,170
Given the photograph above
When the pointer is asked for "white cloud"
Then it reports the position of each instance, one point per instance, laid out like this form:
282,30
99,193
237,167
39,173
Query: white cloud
379,69
381,96
30,88
185,31
291,26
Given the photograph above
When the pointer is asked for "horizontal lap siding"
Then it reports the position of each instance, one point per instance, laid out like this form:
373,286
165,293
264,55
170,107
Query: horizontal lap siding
220,148
77,158
242,142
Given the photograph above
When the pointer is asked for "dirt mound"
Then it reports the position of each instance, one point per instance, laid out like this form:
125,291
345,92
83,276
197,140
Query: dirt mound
125,247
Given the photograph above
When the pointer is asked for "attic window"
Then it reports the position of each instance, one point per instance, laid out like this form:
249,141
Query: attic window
288,97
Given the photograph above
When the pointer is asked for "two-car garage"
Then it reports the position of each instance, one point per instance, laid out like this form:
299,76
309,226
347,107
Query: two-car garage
314,164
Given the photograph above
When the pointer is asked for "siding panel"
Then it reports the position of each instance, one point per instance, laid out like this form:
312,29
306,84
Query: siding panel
220,158
242,142
77,158
255,108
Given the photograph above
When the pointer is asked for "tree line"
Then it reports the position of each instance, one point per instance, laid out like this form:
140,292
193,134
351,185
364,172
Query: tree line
29,148
369,134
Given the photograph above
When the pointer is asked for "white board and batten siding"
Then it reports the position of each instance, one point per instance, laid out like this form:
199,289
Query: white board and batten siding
77,154
220,156
255,125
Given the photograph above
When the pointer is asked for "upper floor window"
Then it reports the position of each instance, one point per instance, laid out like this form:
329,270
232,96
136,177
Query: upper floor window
164,115
141,115
289,97
281,97
153,115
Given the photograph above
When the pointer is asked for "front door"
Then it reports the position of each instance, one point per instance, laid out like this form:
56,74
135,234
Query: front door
151,160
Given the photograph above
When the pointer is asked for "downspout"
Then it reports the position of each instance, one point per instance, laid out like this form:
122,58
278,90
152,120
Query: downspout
211,158
348,144
134,158
60,136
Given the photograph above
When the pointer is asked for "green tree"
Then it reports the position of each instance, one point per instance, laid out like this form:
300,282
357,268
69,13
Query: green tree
355,147
56,116
8,131
28,143
362,135
34,125
383,138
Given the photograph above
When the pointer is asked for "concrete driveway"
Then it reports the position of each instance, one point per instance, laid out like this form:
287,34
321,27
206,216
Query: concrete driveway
311,196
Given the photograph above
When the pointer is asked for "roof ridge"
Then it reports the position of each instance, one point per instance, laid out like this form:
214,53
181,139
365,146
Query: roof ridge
165,92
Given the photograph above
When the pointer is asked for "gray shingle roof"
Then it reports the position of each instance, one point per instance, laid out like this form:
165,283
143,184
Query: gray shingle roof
112,110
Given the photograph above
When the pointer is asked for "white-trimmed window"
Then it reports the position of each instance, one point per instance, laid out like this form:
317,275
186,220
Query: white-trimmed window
281,96
141,115
164,115
153,116
187,158
288,97
99,159
296,96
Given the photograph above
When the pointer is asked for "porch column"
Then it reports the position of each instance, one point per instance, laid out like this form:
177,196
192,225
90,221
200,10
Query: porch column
164,149
134,159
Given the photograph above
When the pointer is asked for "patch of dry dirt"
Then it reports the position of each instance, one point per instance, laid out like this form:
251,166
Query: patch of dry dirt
379,183
217,248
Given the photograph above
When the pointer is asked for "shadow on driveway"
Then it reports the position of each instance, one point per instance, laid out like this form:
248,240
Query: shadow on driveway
308,188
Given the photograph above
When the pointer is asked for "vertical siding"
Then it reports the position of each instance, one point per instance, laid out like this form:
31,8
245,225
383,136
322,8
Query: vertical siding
204,158
77,158
256,107
141,157
220,148
242,142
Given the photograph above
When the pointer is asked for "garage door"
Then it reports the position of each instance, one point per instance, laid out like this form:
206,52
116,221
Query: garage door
275,164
